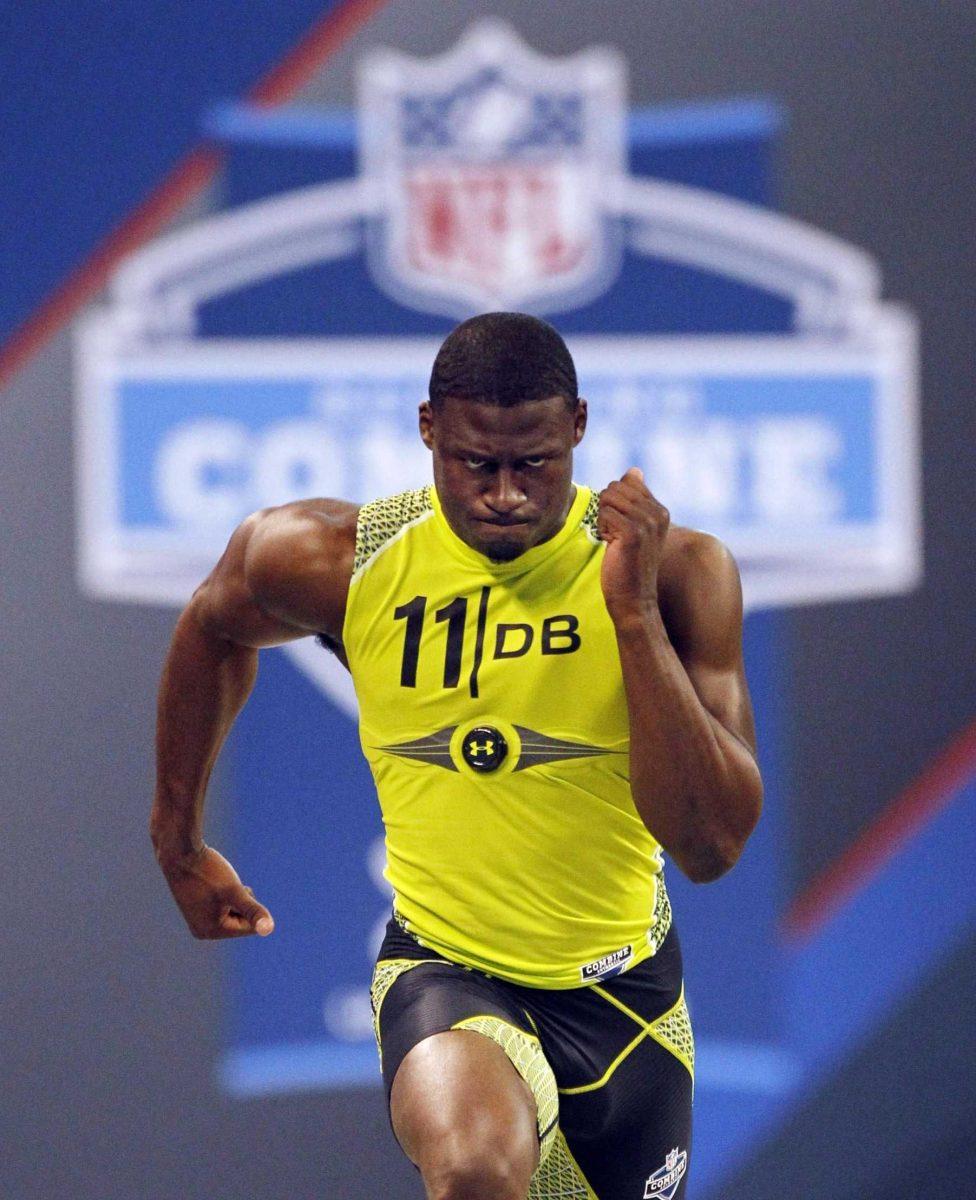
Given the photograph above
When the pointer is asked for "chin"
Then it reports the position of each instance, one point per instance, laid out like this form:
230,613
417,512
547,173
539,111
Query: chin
503,550
502,547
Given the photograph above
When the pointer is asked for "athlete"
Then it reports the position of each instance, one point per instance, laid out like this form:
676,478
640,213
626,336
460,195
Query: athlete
551,692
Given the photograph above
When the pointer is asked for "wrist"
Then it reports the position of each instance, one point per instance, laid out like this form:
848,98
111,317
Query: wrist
638,617
173,842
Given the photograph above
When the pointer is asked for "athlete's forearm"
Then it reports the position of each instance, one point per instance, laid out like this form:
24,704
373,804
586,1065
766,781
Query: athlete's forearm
205,683
695,785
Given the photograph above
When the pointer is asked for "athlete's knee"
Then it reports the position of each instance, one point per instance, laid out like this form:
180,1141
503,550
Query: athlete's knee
487,1172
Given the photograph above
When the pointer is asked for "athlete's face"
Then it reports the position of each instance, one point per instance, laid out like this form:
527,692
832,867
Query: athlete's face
504,475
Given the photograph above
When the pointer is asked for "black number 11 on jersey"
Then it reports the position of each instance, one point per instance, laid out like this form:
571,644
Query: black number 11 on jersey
559,634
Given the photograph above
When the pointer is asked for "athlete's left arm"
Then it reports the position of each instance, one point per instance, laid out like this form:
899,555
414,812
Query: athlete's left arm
676,604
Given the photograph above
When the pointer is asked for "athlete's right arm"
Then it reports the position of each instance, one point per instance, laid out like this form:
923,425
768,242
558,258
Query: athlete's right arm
284,575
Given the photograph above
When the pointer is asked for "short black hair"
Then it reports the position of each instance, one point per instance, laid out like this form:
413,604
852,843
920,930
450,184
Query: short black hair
503,358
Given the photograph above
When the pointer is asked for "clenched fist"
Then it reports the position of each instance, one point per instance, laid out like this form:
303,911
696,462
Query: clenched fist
210,895
634,526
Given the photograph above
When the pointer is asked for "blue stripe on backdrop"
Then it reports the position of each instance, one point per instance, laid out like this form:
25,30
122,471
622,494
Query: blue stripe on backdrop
684,125
99,101
707,121
246,124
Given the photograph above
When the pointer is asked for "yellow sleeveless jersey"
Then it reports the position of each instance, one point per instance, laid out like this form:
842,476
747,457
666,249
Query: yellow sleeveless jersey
493,716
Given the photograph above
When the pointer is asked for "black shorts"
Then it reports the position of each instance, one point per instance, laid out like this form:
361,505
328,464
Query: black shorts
610,1064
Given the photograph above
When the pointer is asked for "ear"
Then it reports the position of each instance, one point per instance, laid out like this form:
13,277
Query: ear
579,421
426,421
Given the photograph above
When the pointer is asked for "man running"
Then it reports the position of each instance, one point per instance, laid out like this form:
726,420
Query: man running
551,691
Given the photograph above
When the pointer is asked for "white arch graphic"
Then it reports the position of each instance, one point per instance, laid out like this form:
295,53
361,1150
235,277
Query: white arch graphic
834,286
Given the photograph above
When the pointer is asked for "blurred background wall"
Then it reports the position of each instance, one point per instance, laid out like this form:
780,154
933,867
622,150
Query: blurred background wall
110,1015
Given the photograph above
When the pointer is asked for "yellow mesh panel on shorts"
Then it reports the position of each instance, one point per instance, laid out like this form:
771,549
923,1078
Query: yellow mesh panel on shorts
559,1176
673,1031
526,1056
385,974
383,519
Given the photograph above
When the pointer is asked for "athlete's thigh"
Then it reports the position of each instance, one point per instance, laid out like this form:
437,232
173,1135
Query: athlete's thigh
457,1093
457,1056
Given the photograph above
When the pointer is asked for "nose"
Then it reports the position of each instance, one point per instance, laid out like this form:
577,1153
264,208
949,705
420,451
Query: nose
505,493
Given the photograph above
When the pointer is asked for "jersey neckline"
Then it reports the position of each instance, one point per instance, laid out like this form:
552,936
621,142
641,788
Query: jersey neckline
525,561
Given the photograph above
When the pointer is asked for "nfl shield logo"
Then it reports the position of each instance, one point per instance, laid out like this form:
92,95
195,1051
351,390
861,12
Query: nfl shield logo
663,1184
490,172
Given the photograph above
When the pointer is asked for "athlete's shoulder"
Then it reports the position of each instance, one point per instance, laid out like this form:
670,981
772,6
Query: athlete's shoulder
699,587
692,553
380,521
300,550
303,532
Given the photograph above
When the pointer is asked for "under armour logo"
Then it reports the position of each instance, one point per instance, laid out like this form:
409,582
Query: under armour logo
483,748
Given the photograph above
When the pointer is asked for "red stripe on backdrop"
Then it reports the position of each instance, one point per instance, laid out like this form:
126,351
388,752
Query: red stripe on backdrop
186,180
864,859
318,45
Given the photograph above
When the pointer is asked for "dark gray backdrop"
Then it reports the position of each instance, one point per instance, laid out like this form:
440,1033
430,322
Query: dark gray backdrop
109,1010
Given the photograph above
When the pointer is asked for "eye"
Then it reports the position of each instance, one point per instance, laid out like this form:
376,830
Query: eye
475,464
538,461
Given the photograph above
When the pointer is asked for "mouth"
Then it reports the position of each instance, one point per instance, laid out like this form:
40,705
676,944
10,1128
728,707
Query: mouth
503,541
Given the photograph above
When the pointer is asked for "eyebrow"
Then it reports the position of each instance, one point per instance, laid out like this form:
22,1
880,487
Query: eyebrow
534,452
